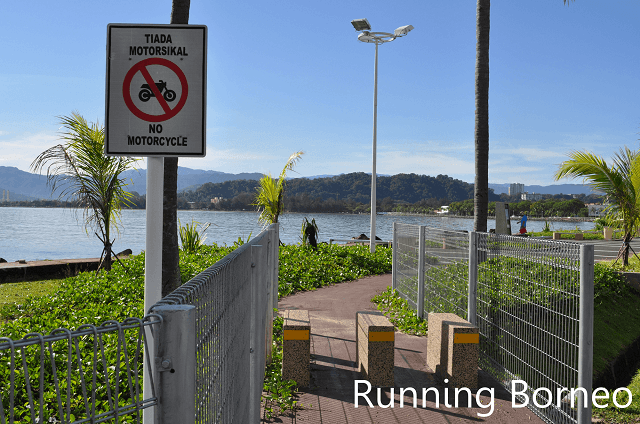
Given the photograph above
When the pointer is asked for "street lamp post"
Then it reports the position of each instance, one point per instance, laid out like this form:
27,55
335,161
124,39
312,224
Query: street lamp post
366,36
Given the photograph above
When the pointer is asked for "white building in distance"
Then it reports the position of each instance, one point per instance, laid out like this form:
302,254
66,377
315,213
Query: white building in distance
530,196
516,188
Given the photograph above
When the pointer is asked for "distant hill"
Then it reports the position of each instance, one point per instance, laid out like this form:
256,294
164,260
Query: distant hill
27,186
409,188
21,183
188,178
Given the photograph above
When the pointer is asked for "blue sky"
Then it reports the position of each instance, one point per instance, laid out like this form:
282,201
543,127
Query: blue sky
291,75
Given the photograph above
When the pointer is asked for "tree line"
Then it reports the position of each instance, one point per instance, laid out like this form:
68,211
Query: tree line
550,207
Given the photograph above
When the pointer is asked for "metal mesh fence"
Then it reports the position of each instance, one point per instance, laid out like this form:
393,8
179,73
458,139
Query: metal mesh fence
405,267
437,281
92,374
232,300
528,312
533,302
446,267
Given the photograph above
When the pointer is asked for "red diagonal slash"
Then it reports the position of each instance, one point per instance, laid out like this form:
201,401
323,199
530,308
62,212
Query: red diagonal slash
154,88
142,68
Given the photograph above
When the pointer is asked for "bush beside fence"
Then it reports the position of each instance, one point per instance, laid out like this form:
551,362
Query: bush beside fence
532,300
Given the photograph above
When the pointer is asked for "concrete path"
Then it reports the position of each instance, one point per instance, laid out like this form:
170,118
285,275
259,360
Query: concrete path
330,397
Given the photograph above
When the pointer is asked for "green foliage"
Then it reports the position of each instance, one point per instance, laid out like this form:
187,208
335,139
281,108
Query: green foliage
620,182
79,170
89,298
269,196
190,238
116,295
302,268
401,315
628,415
279,394
608,283
303,232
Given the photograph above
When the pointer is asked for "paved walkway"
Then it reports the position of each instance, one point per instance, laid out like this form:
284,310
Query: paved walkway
330,397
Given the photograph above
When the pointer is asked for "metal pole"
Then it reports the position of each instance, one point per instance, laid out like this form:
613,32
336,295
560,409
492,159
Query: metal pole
473,280
373,172
394,282
175,364
420,300
270,287
585,337
274,270
153,256
257,350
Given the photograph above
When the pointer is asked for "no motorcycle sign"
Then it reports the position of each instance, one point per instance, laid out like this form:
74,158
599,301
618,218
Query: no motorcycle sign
156,90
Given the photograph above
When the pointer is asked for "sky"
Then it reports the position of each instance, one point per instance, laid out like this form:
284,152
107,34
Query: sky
288,75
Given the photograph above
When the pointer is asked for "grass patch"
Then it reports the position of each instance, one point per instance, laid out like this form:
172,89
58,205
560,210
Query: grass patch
12,293
567,234
631,414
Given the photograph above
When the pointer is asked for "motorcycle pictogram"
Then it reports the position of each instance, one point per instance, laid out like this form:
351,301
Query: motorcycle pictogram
146,93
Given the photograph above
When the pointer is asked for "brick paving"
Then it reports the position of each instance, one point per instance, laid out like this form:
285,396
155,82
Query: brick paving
329,399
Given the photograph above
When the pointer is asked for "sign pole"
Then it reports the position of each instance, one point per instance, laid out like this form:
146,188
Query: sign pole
153,259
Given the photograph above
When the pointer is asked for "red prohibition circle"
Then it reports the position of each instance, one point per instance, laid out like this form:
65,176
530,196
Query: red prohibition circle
142,68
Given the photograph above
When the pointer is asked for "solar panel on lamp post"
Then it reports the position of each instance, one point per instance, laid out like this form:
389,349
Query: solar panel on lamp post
366,36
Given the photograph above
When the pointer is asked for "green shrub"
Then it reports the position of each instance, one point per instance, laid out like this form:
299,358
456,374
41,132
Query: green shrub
91,298
302,268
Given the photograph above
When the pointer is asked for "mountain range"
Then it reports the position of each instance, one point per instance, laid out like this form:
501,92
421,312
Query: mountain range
28,186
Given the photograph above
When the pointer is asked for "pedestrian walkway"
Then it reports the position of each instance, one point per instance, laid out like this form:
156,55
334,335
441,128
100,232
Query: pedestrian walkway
329,399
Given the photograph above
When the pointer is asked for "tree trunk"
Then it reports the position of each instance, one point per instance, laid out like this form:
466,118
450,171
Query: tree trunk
170,249
481,134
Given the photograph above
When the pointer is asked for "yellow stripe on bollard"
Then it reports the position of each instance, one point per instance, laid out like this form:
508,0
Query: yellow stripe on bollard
296,334
381,336
466,338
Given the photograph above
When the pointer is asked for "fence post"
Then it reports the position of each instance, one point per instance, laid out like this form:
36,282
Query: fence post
420,300
175,364
276,262
257,348
394,259
268,334
585,337
473,279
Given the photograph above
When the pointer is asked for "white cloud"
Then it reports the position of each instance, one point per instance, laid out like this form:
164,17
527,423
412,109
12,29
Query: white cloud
20,151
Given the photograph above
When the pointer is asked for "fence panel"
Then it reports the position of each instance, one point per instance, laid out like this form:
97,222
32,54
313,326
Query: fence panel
446,259
231,299
405,252
92,374
528,312
445,253
533,305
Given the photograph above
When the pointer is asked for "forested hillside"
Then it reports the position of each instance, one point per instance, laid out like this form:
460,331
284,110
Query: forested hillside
403,188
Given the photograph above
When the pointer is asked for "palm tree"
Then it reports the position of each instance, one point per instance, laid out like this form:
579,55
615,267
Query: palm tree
481,132
79,170
170,248
620,182
269,197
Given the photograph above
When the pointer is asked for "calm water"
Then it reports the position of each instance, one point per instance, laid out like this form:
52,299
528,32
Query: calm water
48,233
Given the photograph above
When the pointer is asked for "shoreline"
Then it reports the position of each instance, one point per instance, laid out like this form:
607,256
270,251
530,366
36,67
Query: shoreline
550,218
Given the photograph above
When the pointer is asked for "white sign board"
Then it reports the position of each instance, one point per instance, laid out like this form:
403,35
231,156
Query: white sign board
156,90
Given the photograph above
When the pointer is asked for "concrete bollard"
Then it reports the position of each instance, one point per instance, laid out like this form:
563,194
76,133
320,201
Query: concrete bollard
296,350
452,349
375,343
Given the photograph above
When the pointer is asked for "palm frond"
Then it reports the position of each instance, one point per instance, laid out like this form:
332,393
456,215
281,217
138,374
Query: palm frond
78,169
